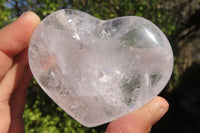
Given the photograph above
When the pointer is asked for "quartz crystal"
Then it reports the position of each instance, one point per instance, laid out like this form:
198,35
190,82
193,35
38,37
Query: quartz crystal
99,70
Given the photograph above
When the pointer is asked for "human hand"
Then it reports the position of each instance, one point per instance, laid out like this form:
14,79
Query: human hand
14,71
15,76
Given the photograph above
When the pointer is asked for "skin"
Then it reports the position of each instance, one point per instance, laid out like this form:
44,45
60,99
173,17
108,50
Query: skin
15,77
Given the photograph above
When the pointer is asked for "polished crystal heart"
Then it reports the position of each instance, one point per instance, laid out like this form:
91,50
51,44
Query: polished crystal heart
99,70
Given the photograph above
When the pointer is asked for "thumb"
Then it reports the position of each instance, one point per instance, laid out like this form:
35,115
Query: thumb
141,120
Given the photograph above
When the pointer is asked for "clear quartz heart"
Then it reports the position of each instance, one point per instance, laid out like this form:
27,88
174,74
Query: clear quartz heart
99,70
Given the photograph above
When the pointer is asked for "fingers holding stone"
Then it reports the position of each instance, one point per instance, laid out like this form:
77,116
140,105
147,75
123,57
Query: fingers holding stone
9,83
14,38
142,119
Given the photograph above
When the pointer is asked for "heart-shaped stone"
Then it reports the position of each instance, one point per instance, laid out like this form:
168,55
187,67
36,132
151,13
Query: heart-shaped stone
99,70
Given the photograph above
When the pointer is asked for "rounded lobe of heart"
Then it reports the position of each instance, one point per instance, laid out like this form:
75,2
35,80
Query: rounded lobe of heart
99,70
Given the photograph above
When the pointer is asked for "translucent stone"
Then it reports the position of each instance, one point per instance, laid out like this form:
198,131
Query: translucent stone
99,70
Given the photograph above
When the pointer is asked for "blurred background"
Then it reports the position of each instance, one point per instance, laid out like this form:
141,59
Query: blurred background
178,19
